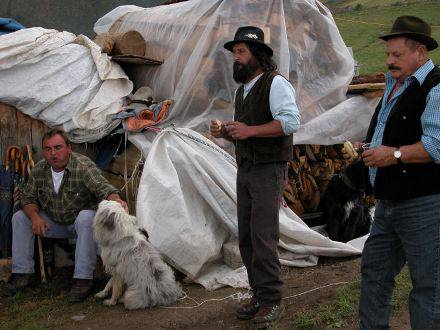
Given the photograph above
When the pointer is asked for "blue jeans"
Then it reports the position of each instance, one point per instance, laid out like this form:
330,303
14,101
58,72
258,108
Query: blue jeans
402,231
82,229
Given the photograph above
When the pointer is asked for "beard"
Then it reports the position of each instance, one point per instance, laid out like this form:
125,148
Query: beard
244,72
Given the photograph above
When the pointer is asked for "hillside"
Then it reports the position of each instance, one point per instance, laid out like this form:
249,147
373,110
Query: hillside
362,21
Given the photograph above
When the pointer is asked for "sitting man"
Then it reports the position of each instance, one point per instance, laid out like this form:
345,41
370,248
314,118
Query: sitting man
59,201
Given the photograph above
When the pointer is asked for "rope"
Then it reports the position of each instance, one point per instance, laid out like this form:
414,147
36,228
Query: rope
204,143
235,296
127,197
134,174
241,296
318,288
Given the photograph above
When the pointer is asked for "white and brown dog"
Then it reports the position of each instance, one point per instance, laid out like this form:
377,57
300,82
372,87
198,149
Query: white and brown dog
139,277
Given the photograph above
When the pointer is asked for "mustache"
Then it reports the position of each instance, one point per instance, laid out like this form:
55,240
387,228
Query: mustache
393,67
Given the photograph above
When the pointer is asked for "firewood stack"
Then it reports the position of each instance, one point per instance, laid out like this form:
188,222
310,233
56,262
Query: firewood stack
309,173
370,85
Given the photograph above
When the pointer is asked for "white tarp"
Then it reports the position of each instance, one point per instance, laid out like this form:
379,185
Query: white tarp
62,80
187,203
197,70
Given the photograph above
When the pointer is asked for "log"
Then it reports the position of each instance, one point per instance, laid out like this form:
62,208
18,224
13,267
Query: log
366,88
376,77
105,41
122,43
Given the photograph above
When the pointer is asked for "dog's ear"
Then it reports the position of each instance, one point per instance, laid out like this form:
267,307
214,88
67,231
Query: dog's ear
144,232
110,221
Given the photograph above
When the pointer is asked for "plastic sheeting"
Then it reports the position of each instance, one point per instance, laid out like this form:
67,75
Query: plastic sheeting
194,180
62,80
348,120
197,72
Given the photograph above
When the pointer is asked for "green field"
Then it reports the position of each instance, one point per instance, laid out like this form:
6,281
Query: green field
361,22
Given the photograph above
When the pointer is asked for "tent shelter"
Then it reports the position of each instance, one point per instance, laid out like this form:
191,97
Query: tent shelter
186,196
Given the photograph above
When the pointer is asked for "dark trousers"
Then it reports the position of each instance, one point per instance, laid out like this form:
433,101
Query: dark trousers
402,231
259,191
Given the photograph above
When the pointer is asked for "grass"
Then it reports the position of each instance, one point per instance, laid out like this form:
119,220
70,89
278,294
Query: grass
34,311
360,28
342,311
45,307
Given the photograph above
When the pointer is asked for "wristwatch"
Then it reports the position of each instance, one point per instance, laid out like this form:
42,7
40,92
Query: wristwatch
398,155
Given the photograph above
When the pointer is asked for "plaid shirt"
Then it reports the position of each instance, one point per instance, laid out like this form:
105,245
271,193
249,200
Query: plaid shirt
83,187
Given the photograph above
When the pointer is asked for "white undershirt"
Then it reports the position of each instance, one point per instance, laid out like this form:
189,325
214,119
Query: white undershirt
57,178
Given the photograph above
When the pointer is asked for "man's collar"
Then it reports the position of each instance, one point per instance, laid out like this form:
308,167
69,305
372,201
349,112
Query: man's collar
71,163
420,74
253,80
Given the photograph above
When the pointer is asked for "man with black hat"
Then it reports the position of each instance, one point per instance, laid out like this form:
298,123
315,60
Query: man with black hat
265,117
404,171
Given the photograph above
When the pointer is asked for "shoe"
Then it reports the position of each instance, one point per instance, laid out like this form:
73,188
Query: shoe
19,282
248,310
267,315
80,290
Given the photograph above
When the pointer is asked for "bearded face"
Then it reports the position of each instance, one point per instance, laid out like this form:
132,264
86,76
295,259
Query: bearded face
243,72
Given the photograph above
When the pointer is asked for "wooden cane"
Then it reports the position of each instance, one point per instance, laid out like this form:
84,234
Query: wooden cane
41,257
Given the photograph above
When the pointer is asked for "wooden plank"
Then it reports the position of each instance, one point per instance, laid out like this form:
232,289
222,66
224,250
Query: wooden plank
37,131
19,129
133,59
8,128
24,131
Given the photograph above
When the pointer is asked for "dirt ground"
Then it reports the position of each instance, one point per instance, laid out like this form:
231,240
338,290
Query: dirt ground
304,289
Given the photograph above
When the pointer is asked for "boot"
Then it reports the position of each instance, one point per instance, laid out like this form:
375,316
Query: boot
248,309
19,282
80,290
267,315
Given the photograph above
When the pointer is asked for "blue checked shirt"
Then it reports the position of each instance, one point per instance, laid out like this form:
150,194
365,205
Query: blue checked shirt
430,119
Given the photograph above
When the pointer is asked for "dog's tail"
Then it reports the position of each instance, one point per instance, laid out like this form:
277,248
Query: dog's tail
135,298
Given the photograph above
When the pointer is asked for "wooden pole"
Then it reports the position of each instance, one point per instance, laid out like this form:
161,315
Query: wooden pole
41,257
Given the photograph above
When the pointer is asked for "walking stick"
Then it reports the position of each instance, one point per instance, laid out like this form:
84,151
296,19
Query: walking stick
41,257
29,165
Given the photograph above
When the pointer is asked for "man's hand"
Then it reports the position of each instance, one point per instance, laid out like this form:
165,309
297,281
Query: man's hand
217,128
381,156
39,226
116,198
238,130
349,158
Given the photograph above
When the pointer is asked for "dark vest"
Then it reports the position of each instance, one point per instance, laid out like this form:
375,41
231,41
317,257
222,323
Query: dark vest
255,110
403,127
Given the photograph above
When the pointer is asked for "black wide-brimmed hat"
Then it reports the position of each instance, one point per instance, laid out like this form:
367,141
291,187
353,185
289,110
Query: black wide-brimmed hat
249,34
413,28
